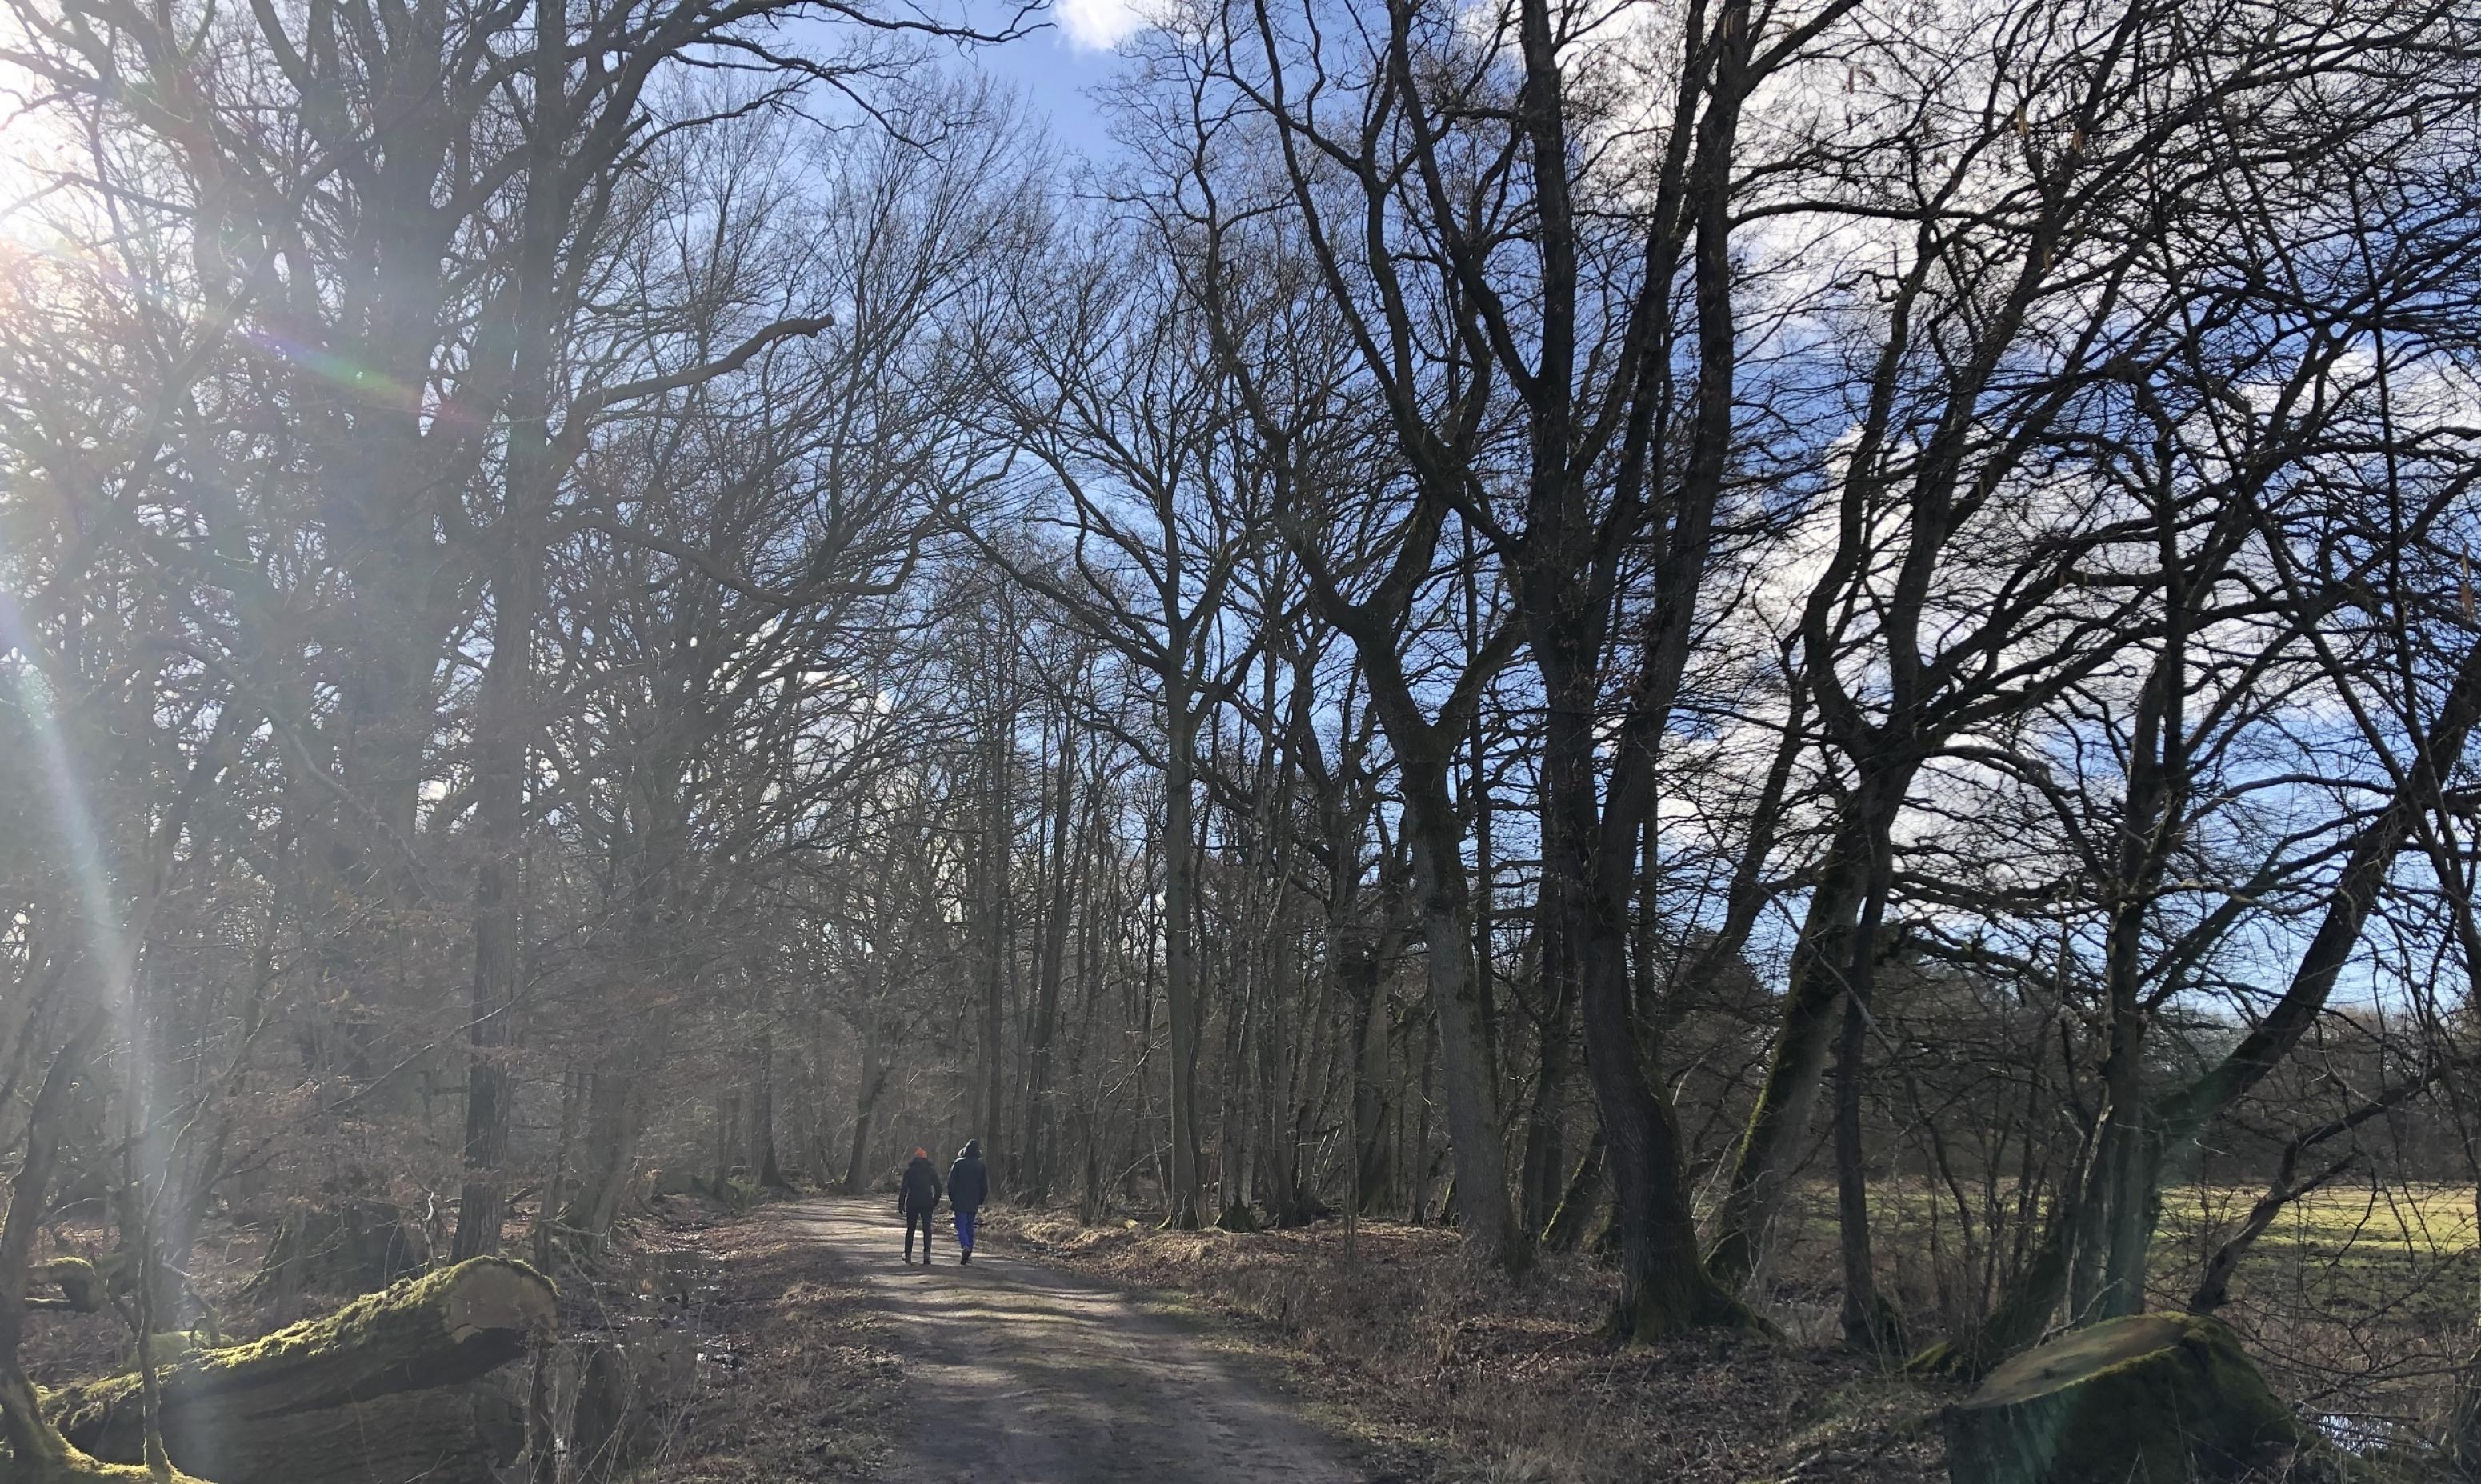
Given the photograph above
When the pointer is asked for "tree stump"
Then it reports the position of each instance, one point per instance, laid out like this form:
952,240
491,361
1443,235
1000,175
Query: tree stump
2153,1398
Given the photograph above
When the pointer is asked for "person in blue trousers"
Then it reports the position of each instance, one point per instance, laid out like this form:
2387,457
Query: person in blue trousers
969,1184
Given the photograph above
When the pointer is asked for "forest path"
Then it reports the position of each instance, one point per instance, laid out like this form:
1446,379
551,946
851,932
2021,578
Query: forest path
1016,1374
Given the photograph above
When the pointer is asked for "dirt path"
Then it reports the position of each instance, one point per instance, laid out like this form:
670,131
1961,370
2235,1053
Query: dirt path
1017,1374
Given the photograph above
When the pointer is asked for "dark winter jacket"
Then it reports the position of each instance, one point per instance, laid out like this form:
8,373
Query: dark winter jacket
919,1195
969,1184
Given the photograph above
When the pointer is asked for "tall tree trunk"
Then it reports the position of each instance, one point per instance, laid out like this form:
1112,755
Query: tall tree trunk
1590,854
1419,1169
1870,1323
1577,1202
507,678
874,1070
617,1105
1039,1158
1778,1125
1364,966
1180,958
1468,1045
765,1165
728,1127
1000,844
614,1116
1234,1148
1542,1179
1311,1082
1663,1284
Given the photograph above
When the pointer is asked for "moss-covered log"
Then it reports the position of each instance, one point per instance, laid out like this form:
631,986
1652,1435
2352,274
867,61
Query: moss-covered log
83,1284
448,1435
2153,1398
222,1408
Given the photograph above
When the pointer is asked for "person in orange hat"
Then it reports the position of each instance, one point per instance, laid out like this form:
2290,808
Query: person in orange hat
916,1198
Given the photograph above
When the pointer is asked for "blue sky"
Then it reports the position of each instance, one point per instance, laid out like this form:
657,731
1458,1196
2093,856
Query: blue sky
1053,69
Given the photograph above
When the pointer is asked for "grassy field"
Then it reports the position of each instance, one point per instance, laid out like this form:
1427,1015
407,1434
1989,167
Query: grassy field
2345,1244
2344,1231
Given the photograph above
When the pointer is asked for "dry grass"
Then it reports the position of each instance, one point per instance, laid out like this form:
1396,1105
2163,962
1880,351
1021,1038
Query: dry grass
797,1378
1451,1374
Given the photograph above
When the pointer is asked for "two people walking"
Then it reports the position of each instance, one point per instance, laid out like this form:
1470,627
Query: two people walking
917,1196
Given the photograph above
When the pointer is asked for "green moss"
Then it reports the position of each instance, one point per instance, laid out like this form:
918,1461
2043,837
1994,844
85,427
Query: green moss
172,1344
78,1469
68,1465
80,1282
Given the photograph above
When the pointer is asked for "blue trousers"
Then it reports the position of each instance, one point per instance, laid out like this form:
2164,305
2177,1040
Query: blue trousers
965,1228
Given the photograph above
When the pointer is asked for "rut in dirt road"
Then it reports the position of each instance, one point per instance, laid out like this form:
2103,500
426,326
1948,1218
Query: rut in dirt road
1016,1374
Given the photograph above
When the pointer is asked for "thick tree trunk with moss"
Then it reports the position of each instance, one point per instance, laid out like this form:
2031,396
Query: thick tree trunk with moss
2158,1397
1584,1192
227,1412
1795,1066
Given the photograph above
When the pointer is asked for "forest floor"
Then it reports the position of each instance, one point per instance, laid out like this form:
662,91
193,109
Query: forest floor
1445,1375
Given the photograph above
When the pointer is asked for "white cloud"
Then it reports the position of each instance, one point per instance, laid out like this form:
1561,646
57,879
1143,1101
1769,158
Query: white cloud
1098,24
